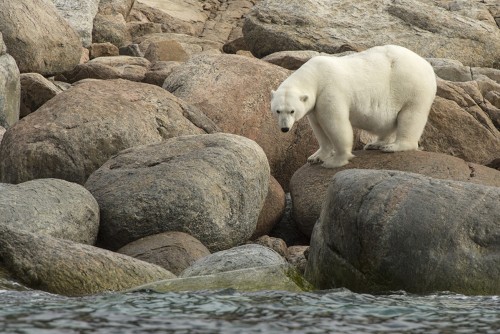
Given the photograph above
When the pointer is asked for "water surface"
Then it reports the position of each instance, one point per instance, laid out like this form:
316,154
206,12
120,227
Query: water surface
228,311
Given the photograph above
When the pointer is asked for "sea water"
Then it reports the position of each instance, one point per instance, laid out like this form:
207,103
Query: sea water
229,311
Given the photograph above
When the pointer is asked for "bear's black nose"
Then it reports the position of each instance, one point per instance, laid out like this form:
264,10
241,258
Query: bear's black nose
285,129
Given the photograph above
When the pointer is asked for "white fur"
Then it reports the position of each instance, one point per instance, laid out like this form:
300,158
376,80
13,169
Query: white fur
386,90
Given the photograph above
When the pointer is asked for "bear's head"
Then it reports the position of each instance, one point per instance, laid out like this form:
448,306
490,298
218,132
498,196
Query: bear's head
289,105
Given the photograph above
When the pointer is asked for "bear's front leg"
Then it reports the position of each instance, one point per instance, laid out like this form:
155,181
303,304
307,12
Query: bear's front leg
325,146
337,127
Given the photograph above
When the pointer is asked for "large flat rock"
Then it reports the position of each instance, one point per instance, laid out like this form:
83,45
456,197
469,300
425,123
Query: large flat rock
277,277
425,27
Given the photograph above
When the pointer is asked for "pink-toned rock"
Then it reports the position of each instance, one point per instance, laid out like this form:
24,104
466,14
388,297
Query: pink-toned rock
144,13
168,50
176,15
458,125
174,251
35,91
138,29
38,38
191,44
291,60
75,132
234,92
309,184
159,71
122,7
116,67
111,28
271,213
90,71
103,50
276,244
297,258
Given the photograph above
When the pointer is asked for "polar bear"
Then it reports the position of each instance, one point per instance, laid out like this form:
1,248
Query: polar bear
386,90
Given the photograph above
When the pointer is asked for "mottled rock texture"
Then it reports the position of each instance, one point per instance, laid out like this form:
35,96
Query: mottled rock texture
388,230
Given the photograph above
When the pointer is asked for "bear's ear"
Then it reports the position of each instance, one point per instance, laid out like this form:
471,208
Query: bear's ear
304,98
272,93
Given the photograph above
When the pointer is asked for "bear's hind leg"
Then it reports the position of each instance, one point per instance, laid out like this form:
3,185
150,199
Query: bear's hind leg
410,126
325,147
381,141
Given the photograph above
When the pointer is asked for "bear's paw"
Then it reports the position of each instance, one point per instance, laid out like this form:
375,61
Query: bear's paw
336,160
319,156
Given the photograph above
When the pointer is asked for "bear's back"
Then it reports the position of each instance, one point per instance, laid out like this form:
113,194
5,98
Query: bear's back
392,64
399,61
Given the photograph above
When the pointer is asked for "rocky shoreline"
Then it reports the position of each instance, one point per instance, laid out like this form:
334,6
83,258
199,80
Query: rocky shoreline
137,149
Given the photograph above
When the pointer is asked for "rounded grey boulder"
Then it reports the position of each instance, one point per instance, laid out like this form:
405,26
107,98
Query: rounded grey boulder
210,186
241,257
388,230
52,207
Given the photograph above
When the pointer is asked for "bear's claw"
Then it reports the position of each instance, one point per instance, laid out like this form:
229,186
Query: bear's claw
314,160
373,146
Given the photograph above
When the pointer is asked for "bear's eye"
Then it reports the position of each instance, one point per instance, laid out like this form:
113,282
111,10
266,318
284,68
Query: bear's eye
292,111
277,111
